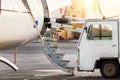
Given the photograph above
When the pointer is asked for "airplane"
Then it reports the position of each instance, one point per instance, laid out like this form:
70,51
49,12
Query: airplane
19,19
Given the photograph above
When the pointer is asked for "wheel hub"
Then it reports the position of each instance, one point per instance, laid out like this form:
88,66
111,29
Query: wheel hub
109,69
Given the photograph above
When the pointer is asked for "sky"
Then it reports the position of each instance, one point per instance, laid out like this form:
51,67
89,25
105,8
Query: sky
89,8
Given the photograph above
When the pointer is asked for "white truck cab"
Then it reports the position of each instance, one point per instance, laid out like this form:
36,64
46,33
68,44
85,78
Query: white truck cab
98,47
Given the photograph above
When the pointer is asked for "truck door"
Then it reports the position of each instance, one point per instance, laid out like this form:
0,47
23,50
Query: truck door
100,41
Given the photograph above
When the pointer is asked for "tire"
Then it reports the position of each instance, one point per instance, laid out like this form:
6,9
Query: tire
109,69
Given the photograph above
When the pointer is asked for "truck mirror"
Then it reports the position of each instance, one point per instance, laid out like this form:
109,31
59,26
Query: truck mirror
85,29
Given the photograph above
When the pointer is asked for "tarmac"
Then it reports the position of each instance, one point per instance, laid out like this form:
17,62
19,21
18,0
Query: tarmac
34,65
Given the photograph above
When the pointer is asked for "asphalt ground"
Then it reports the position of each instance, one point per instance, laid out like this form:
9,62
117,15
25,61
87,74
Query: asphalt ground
34,65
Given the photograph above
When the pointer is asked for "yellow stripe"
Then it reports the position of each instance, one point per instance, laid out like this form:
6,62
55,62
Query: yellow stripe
77,26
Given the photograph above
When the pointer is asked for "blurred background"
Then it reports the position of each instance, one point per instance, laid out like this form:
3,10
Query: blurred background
89,9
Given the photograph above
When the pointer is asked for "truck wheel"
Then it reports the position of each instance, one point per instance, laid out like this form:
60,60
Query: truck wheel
109,69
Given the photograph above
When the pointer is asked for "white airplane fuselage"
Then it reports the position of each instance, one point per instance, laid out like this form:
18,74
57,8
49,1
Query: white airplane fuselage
16,25
17,21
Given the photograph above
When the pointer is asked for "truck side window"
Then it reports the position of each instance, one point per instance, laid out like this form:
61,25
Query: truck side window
99,32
